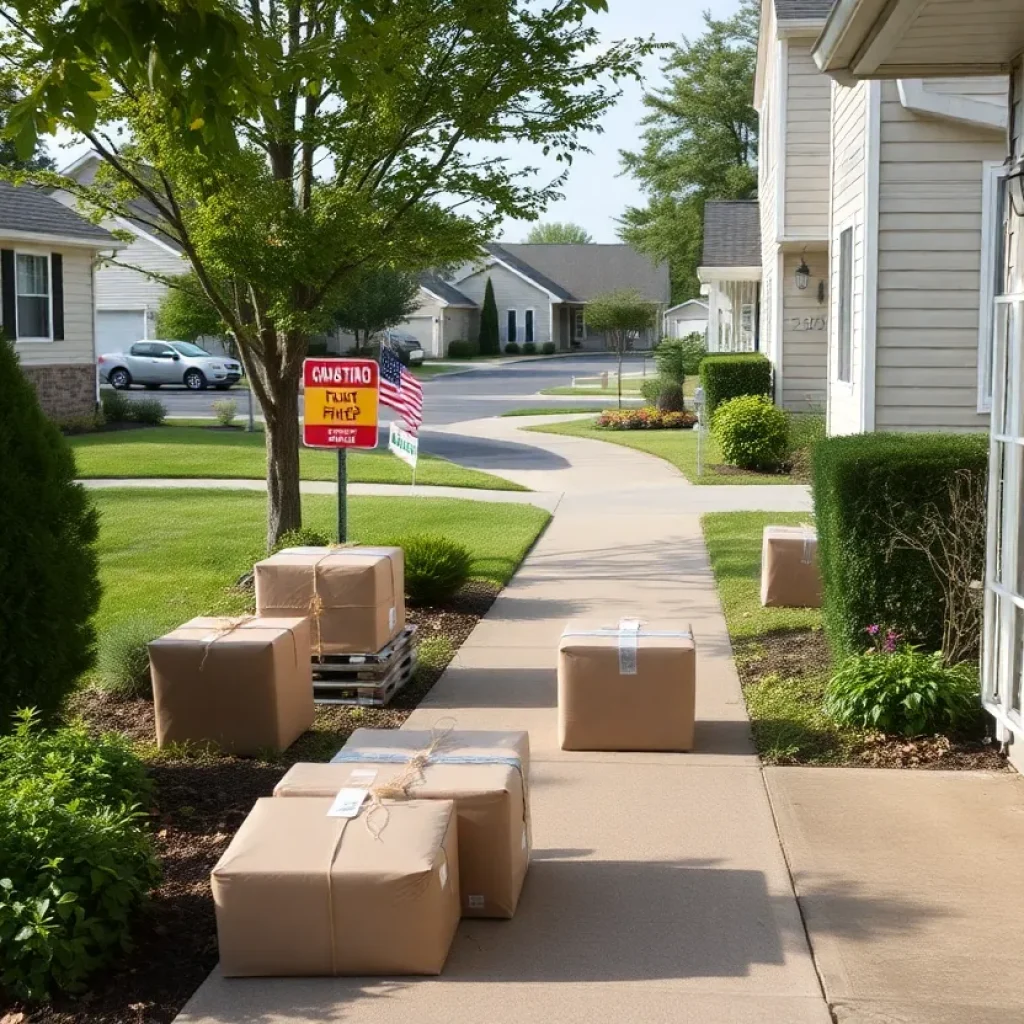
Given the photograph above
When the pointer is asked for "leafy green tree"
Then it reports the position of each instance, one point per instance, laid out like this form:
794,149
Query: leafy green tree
288,146
37,160
378,300
619,316
554,232
49,583
185,313
490,337
699,143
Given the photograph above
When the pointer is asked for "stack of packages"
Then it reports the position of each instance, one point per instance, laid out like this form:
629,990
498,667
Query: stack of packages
626,687
363,866
789,568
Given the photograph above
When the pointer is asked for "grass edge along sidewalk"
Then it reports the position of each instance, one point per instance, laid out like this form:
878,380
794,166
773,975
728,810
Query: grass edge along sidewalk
205,452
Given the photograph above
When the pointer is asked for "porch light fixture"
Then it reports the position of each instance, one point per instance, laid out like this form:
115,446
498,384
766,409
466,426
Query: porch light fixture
1015,186
803,275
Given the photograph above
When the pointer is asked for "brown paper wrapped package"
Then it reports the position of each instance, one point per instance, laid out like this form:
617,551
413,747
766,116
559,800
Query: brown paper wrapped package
355,597
301,893
244,684
619,690
490,793
789,568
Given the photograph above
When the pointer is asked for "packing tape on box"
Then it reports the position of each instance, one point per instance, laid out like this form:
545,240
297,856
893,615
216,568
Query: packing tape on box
629,632
810,536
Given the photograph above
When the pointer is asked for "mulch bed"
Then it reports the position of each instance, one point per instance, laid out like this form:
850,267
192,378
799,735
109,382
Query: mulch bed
200,803
804,654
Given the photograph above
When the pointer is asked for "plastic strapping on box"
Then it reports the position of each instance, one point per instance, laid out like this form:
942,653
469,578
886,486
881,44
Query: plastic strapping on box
629,634
810,539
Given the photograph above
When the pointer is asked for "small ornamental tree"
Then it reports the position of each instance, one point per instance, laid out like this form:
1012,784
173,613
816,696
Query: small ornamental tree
378,300
556,233
49,587
186,314
490,342
618,316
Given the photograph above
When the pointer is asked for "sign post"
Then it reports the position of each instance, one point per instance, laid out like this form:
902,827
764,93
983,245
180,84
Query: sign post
341,405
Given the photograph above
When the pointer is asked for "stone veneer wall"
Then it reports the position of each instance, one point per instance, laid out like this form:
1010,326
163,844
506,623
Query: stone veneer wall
65,391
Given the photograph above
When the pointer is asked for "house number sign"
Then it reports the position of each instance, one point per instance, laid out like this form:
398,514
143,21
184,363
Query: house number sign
807,323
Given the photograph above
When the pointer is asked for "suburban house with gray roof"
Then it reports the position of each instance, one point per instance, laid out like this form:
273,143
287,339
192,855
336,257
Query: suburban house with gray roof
48,257
444,315
730,274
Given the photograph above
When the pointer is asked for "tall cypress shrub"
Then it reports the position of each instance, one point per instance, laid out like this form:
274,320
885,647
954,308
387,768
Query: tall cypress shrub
49,583
490,342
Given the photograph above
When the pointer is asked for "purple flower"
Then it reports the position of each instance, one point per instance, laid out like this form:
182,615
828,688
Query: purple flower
873,630
891,639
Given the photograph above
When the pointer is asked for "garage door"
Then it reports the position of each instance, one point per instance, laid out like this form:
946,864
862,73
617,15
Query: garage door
422,328
118,329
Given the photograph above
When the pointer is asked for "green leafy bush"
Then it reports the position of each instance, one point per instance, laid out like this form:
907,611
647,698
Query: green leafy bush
679,358
150,411
76,862
435,568
727,375
670,396
752,433
873,493
71,425
461,349
549,348
49,584
694,350
122,661
225,410
650,389
902,691
117,406
512,348
529,348
806,429
304,537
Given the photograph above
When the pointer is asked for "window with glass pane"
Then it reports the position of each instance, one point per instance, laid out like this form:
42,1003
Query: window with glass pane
33,287
578,329
528,325
511,325
844,362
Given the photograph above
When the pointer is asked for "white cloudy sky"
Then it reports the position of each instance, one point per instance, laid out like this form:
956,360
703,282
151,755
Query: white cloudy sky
595,193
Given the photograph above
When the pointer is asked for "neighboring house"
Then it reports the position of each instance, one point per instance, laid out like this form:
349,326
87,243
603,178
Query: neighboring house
47,299
690,317
127,300
933,40
730,274
542,290
793,102
444,315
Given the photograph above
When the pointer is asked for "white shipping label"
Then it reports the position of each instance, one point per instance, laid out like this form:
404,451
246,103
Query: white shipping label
363,776
347,803
476,902
444,875
392,618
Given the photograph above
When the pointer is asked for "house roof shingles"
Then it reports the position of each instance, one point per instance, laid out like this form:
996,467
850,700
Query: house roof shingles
31,211
802,10
578,273
443,290
732,234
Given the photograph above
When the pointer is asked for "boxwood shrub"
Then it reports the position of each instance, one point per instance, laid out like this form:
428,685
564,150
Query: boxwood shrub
862,485
730,375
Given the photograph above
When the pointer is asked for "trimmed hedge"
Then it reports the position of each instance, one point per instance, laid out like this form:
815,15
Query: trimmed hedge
860,484
726,375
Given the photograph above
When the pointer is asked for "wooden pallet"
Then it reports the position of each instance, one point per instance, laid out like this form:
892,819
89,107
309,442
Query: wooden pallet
366,679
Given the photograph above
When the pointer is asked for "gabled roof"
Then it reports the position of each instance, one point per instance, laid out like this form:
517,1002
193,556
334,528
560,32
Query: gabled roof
732,234
688,302
442,290
28,210
802,10
504,254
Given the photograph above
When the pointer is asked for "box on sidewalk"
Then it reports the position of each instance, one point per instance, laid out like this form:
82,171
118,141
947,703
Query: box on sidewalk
354,597
244,684
299,892
626,687
485,773
789,568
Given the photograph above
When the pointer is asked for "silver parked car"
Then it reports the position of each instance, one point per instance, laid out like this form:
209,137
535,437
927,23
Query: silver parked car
152,363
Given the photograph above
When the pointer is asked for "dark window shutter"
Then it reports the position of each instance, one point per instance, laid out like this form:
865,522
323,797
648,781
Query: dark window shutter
10,298
57,288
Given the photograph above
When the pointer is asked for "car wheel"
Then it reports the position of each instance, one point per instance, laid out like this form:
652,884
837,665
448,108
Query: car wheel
152,387
120,379
195,381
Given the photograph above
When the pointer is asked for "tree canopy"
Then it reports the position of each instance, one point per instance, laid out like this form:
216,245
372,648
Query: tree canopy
618,316
378,300
185,313
699,143
555,232
289,146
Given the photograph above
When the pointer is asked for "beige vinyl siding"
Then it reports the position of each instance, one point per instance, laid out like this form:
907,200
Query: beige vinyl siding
804,335
118,287
768,172
78,345
1014,257
511,292
460,324
849,200
808,120
929,248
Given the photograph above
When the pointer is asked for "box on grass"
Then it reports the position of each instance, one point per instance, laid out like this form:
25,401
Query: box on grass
244,684
299,892
355,597
626,687
789,568
485,773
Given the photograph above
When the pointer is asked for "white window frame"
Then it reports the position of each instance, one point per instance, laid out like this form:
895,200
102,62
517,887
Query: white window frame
992,237
508,336
530,313
49,287
848,230
579,324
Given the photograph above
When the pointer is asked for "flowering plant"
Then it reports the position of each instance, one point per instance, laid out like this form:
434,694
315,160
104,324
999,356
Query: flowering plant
885,642
645,419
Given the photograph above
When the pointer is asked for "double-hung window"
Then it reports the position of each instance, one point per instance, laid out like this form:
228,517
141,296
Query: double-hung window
528,326
844,355
32,283
511,328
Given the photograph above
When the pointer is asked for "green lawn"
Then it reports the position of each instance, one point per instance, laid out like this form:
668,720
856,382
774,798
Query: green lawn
676,446
168,555
630,386
191,451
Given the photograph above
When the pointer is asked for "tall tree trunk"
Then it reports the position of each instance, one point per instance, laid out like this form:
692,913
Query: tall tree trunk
284,502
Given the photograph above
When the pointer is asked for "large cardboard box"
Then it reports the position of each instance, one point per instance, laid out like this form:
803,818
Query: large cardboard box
626,687
299,892
789,568
354,597
485,773
244,684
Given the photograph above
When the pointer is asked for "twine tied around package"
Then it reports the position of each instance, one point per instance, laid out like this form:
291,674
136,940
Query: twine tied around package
330,896
230,625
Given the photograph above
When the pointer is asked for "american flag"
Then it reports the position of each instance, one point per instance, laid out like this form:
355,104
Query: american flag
400,390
